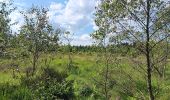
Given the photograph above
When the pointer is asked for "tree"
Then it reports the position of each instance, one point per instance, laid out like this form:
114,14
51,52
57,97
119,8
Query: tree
67,36
5,33
142,21
105,56
37,35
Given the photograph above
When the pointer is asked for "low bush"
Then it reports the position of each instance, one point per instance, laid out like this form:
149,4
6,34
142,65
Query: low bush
50,85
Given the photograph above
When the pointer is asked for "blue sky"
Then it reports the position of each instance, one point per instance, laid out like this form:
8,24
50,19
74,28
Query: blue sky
44,3
76,16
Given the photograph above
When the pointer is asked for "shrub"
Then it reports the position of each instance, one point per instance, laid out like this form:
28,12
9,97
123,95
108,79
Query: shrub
50,85
86,91
12,92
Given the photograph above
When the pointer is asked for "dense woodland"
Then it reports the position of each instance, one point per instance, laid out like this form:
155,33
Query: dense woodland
128,61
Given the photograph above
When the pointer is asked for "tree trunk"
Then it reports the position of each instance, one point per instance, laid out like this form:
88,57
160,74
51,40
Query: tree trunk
106,70
34,64
35,59
149,69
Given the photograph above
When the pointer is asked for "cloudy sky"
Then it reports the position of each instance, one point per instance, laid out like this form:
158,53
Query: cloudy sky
74,15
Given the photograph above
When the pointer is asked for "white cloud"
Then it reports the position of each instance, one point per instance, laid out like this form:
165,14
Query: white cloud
74,15
83,39
56,6
3,0
16,17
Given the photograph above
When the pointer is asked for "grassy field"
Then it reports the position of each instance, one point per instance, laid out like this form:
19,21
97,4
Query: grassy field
84,62
88,72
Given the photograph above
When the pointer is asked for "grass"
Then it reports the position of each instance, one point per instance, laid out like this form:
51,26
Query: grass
6,77
86,70
83,62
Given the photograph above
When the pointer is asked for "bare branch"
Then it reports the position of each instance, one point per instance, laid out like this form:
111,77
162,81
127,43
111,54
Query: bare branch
159,41
158,29
132,35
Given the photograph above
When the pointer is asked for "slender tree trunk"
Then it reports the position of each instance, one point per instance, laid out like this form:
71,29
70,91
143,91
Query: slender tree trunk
69,55
35,58
106,69
149,69
70,62
34,63
106,81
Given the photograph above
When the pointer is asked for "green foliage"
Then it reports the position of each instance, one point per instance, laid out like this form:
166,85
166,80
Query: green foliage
37,35
114,69
50,85
8,92
86,91
5,33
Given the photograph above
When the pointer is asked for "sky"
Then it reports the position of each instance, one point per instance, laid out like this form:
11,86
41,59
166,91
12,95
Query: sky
76,16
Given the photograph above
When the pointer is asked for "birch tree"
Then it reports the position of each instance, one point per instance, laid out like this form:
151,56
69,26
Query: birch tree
37,35
145,22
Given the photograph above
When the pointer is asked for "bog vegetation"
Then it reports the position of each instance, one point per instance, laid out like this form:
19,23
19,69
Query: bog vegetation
128,61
